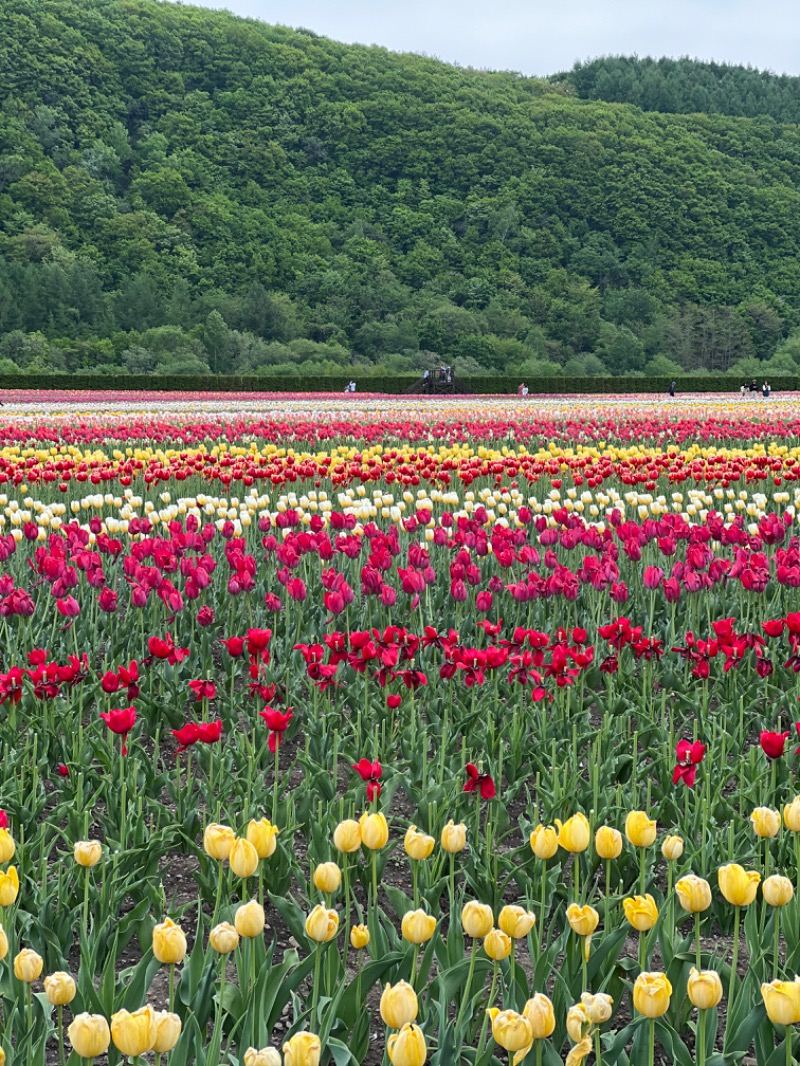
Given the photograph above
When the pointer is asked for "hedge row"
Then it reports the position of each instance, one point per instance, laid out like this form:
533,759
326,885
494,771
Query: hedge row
382,383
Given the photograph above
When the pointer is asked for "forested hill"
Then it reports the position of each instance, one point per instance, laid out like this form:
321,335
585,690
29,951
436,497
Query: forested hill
686,86
182,190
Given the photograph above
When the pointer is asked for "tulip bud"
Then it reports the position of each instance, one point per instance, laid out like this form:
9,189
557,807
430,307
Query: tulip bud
544,842
497,944
454,837
304,1049
777,891
766,822
599,1007
9,886
639,829
59,988
738,886
516,921
243,858
134,1033
476,918
672,848
249,920
263,836
791,815
327,877
322,925
89,1035
704,988
223,938
407,1048
510,1030
694,893
359,937
347,836
168,1031
3,943
541,1016
418,845
573,835
88,852
577,1021
641,912
417,927
651,994
218,841
374,831
28,966
398,1005
7,846
583,920
782,1000
608,842
266,1056
169,943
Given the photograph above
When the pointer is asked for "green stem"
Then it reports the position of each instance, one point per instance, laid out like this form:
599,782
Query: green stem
275,784
643,868
315,990
598,1053
61,1056
218,901
776,954
651,1052
697,939
789,1059
492,990
86,900
172,987
701,1038
216,1039
642,952
468,986
542,906
732,984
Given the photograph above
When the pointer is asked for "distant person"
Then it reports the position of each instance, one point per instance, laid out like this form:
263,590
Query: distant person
743,391
765,390
426,381
672,390
754,388
524,390
520,387
448,375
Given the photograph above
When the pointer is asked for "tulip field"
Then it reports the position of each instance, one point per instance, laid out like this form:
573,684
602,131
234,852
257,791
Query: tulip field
380,730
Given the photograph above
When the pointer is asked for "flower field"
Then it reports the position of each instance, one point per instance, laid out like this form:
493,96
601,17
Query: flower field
367,730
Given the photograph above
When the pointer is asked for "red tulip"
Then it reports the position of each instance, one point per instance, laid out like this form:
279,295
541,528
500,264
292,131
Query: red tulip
277,723
186,736
3,820
689,757
371,773
203,690
209,732
773,744
120,721
63,771
234,645
477,781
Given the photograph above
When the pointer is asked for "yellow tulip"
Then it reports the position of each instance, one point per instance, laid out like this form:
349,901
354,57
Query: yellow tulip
704,988
573,835
223,938
417,927
374,831
641,912
454,837
791,815
672,848
544,841
9,886
7,846
89,1035
640,829
262,834
476,918
87,852
777,891
497,944
541,1016
249,919
583,920
651,994
417,845
359,937
577,1021
398,1005
3,943
579,1052
347,836
134,1033
694,893
168,1031
243,858
599,1007
516,921
738,886
304,1049
28,966
782,1000
169,943
766,822
59,987
407,1048
608,842
322,924
327,877
265,1056
218,840
510,1030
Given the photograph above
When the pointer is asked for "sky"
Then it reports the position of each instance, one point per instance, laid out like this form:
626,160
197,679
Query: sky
539,37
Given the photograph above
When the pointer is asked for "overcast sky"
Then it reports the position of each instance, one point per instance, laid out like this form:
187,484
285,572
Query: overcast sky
545,36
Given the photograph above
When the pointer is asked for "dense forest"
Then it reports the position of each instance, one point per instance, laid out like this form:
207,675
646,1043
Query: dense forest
184,191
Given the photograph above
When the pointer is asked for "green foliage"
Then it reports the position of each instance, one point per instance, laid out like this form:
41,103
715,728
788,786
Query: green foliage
291,205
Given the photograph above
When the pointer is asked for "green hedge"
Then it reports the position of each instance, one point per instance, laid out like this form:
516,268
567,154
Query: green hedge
383,383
